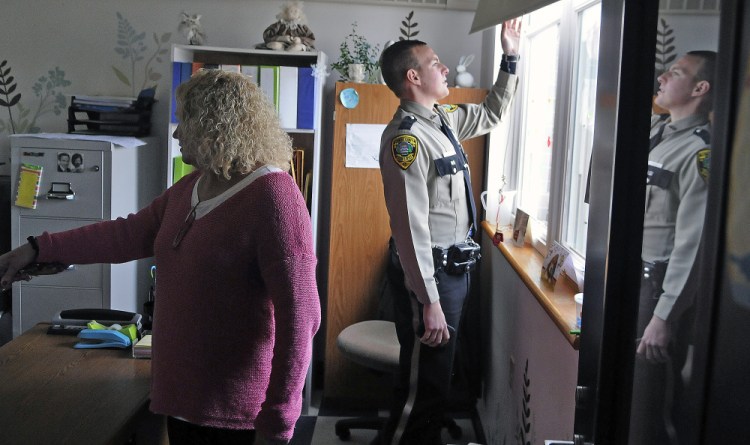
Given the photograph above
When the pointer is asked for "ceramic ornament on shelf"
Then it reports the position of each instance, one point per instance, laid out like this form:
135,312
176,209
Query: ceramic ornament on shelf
190,27
290,31
464,79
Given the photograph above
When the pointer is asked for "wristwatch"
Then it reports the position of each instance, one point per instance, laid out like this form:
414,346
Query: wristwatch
508,63
34,245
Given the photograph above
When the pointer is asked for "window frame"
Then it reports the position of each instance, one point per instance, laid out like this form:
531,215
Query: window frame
563,131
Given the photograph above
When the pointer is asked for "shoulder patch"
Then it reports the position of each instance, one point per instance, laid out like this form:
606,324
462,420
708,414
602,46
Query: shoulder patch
404,149
703,134
407,122
449,108
703,162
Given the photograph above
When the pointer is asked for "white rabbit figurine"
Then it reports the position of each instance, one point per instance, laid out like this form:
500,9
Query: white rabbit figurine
464,78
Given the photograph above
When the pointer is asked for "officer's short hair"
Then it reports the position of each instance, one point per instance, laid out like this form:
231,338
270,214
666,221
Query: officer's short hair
396,60
708,68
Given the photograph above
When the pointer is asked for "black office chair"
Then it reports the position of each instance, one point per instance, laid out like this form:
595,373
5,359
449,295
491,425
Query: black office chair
373,344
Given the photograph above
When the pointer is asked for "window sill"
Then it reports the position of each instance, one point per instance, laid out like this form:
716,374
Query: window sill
558,301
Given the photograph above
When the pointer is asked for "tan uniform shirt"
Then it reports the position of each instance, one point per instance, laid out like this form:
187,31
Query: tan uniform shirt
676,194
425,208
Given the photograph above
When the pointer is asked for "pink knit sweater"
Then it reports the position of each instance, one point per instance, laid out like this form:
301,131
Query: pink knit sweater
236,303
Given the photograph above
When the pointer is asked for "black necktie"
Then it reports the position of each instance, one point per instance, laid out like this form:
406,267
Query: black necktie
655,139
467,179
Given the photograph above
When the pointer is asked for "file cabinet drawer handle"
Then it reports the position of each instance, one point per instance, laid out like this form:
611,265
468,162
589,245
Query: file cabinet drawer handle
60,190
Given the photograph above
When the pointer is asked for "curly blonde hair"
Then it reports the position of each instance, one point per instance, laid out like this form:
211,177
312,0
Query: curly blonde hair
231,125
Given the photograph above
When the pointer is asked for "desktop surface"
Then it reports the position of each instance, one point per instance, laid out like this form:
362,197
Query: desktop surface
52,393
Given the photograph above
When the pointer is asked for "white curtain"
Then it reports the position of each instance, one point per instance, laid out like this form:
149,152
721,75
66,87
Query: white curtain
493,12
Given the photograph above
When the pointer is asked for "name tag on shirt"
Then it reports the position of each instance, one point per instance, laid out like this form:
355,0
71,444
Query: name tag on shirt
657,176
449,165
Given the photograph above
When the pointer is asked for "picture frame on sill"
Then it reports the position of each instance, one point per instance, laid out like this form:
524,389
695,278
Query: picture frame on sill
519,227
553,263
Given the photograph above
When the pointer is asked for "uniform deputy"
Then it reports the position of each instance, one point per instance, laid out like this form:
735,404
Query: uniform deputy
427,192
676,195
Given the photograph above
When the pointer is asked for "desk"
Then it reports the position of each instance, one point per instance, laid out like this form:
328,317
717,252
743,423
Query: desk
51,393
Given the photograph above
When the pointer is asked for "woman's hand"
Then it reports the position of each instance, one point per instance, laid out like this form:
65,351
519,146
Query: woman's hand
510,36
13,261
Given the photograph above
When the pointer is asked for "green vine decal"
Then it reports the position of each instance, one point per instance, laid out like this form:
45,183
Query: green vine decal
407,34
131,46
523,436
7,87
664,48
47,89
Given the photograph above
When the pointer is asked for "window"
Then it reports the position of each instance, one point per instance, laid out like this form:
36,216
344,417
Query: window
551,131
576,210
539,92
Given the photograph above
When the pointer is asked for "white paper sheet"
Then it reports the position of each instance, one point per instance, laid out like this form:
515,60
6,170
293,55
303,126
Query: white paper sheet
123,141
363,145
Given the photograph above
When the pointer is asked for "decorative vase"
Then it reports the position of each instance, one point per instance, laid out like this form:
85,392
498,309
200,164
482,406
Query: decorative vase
356,72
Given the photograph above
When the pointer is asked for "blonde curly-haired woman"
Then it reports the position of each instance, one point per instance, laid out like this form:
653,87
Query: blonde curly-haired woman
237,303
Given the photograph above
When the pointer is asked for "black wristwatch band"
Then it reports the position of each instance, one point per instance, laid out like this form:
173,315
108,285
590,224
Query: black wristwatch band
34,245
508,63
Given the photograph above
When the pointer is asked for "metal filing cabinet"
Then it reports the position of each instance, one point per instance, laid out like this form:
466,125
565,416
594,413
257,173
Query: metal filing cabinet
113,181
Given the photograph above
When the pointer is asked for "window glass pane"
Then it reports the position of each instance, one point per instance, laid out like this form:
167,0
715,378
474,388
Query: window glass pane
575,217
538,117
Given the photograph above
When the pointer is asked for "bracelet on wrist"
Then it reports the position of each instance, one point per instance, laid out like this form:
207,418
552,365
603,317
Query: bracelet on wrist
34,245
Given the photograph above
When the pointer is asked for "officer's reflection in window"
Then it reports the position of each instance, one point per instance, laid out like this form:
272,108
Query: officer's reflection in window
676,194
76,163
63,162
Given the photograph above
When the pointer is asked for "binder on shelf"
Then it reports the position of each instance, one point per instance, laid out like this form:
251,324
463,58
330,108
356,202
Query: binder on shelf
181,72
250,70
288,96
305,98
176,79
180,169
298,168
197,66
230,68
268,80
29,178
307,186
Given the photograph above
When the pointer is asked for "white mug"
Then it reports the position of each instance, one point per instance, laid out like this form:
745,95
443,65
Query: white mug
491,204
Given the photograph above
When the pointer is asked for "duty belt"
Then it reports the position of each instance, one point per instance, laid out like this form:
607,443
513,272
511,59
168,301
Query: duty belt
653,270
458,259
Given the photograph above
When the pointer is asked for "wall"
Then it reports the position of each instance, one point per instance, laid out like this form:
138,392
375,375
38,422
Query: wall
684,26
527,357
78,41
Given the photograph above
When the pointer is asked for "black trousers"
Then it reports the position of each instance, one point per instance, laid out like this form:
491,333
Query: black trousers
186,433
657,386
423,385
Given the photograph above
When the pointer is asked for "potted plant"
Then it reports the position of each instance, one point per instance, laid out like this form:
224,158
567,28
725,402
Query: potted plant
356,50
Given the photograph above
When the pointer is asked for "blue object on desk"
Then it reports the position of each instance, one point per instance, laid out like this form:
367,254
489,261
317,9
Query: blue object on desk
102,338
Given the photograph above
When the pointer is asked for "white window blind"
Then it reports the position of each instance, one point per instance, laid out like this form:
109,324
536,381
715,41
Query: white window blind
493,12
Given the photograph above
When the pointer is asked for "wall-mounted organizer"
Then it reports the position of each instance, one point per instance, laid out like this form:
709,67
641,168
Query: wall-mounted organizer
120,116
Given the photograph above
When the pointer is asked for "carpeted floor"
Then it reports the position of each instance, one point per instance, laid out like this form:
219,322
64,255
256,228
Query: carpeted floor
320,430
